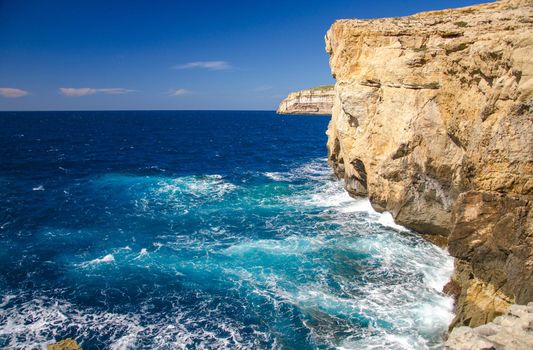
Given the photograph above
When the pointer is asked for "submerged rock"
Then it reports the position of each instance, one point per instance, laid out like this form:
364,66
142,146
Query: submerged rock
433,121
318,100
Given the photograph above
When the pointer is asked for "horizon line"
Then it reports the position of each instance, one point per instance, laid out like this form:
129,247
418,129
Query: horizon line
139,110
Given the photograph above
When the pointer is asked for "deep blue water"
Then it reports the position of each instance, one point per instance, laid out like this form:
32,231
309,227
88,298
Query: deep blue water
200,230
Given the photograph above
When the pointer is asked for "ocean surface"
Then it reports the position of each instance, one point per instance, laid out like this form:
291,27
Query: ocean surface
200,230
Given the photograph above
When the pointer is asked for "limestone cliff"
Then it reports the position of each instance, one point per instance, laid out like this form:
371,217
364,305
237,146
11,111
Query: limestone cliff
318,100
433,121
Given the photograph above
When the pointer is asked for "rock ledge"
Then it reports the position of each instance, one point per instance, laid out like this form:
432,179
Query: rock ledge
512,331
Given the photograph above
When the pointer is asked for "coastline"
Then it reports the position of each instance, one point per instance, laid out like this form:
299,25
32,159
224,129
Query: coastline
404,134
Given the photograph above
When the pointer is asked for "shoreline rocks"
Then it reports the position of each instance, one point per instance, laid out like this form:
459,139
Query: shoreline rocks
512,331
433,121
65,344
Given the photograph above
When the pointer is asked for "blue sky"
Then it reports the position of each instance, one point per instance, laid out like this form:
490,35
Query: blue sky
100,55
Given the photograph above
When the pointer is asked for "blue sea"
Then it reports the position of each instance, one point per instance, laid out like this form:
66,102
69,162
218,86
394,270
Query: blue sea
201,230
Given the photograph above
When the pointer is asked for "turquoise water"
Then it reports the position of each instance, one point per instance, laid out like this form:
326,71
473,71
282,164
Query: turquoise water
201,230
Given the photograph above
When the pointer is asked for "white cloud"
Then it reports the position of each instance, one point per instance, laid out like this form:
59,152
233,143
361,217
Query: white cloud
12,92
91,91
77,91
179,92
114,91
211,65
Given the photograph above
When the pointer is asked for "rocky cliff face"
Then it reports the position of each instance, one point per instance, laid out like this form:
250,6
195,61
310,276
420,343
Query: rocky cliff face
433,121
318,100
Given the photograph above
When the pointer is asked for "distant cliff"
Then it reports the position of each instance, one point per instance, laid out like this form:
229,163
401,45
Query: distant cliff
318,100
433,121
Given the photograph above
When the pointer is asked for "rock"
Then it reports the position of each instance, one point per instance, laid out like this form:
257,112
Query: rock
465,338
66,344
318,100
513,331
433,120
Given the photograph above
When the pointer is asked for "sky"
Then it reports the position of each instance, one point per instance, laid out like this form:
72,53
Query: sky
145,55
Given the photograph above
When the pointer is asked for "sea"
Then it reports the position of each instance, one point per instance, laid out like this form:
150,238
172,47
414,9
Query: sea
201,230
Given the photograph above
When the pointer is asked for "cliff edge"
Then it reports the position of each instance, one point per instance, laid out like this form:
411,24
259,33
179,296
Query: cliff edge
433,120
318,100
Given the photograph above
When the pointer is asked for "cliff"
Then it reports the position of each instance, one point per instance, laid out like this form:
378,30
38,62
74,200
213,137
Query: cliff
318,100
433,120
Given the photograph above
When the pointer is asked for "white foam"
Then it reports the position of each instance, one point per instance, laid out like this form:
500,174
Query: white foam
126,342
433,317
142,253
38,188
183,193
289,246
358,205
436,276
109,258
35,323
386,219
6,299
277,176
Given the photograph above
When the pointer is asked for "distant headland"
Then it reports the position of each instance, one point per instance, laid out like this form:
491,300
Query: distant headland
317,100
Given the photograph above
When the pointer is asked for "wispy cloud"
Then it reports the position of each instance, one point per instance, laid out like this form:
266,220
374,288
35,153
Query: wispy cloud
115,91
179,92
211,65
76,92
12,92
262,88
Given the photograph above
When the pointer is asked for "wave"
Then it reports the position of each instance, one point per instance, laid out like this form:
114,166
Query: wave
281,259
393,288
290,246
34,323
156,195
109,258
